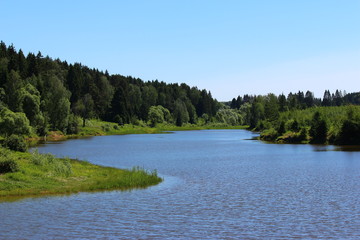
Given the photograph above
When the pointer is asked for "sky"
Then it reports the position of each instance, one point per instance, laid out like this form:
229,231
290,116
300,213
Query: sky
229,47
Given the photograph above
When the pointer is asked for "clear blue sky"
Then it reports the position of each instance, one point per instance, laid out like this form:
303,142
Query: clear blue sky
229,47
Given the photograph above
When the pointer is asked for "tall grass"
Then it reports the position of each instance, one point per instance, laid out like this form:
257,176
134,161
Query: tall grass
57,166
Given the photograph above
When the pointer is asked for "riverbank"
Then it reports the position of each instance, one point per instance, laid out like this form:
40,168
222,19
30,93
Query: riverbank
100,128
32,174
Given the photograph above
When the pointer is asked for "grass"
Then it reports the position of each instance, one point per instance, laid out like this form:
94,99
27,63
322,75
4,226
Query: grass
40,174
96,127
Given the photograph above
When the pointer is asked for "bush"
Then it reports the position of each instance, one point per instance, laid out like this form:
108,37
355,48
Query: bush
269,134
106,127
16,143
8,166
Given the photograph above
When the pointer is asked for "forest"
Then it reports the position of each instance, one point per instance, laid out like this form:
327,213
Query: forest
39,94
302,118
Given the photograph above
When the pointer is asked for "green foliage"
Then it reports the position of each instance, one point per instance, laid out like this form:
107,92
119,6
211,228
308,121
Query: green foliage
271,107
257,112
13,123
318,129
319,125
58,167
8,166
16,143
84,107
181,114
350,129
155,115
73,126
281,130
36,93
269,134
30,103
57,104
48,91
35,174
230,117
106,128
7,162
119,120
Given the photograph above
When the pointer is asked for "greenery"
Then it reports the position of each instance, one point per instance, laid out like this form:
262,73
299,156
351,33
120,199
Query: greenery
16,143
7,163
38,94
302,118
335,125
41,96
25,174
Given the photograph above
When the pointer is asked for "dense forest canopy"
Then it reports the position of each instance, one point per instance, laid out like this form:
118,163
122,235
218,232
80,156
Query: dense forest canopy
301,117
39,94
50,92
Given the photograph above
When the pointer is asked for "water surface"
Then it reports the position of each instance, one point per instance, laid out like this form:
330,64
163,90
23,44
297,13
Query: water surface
218,185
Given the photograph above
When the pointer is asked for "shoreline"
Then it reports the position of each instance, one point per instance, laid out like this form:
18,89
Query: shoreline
43,174
26,183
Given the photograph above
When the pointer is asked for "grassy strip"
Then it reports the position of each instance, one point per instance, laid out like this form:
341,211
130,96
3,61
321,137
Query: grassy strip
96,127
100,128
39,174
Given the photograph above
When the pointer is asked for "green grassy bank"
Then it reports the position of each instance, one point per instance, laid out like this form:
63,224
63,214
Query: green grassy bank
100,128
30,174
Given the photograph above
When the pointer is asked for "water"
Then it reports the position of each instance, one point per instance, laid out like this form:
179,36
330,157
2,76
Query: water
218,185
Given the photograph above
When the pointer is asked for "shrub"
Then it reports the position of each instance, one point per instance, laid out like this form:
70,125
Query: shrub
7,163
16,143
8,166
106,127
269,134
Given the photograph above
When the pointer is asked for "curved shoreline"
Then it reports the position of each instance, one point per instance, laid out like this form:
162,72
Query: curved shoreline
33,179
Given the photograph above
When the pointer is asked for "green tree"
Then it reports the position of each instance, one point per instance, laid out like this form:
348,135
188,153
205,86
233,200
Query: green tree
57,104
318,129
30,102
14,93
229,116
257,111
13,123
350,129
271,107
282,103
155,115
181,115
84,107
245,111
309,99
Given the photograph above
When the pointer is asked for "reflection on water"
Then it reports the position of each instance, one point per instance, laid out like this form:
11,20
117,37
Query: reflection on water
217,186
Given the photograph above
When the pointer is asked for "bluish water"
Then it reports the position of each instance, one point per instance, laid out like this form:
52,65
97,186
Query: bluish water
218,185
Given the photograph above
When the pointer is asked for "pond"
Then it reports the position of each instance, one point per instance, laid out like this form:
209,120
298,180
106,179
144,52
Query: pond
218,184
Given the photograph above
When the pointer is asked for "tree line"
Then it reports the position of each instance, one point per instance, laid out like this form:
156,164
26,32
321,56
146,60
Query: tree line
301,117
38,94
